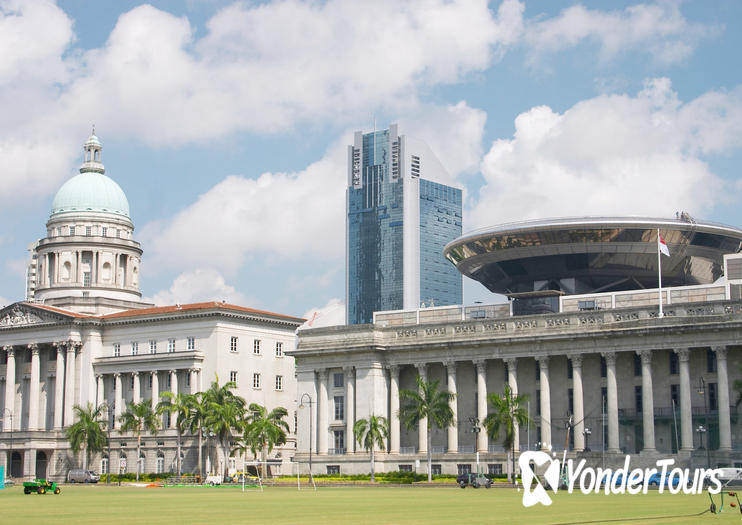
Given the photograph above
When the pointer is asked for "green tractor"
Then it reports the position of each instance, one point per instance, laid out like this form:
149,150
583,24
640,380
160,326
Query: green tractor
40,486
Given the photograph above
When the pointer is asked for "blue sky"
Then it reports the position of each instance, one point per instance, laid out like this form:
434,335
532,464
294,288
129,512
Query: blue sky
226,123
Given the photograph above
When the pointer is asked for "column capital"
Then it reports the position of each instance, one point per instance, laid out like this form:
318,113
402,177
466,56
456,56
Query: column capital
481,365
98,377
576,360
135,374
348,369
512,363
450,365
10,350
117,375
34,348
721,352
393,369
154,373
72,346
322,373
422,369
683,354
543,362
646,356
60,346
172,371
610,358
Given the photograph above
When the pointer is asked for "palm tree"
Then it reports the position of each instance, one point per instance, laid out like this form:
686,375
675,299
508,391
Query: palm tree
371,433
196,423
138,418
87,431
225,411
427,402
508,411
177,405
264,430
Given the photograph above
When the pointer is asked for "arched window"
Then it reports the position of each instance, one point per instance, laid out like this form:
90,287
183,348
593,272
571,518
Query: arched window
104,464
66,271
106,273
160,466
141,463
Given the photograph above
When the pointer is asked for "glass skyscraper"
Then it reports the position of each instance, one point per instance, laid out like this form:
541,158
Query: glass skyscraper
397,225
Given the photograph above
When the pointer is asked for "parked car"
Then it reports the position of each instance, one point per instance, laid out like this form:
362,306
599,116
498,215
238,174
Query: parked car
473,479
213,479
79,475
731,476
656,478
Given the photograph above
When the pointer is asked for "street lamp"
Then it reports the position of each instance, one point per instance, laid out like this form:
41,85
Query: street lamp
701,429
10,454
587,433
475,430
301,405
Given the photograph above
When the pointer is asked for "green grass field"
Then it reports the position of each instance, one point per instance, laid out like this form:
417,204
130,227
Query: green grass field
377,505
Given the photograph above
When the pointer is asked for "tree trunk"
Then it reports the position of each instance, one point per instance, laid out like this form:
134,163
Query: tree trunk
139,451
373,466
179,465
226,459
265,457
84,456
508,467
200,455
430,454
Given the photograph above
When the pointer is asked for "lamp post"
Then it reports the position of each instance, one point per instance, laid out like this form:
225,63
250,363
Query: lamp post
475,430
701,429
301,405
10,453
587,433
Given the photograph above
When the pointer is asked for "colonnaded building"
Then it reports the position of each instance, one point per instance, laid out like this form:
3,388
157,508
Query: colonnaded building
581,336
83,335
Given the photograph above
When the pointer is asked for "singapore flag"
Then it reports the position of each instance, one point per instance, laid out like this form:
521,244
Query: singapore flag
662,245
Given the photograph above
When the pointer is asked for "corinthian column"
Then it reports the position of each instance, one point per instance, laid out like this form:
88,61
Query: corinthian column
350,405
577,404
34,388
543,363
686,416
422,435
59,388
481,366
10,391
611,401
725,429
322,403
69,384
453,431
512,364
647,401
394,409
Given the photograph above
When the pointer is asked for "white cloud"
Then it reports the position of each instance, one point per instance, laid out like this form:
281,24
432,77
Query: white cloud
658,29
331,314
4,302
612,154
197,286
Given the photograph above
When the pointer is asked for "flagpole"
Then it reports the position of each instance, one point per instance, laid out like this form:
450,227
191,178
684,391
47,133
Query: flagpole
659,271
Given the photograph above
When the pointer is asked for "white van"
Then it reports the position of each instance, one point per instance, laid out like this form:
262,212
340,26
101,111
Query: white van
79,475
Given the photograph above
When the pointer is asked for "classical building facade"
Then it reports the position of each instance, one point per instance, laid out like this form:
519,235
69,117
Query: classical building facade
604,374
84,336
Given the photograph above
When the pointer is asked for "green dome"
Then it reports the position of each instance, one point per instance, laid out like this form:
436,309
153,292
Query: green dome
91,191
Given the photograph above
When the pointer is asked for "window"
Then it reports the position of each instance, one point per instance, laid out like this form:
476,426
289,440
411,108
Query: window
713,398
538,402
279,382
150,380
256,380
191,341
333,469
171,345
256,346
116,349
405,468
132,382
279,349
134,348
339,408
673,363
603,367
710,361
570,400
233,376
160,465
72,230
169,382
88,231
104,465
86,279
494,469
153,347
435,469
188,380
339,441
638,398
637,365
233,344
505,377
569,369
337,380
675,394
104,231
463,468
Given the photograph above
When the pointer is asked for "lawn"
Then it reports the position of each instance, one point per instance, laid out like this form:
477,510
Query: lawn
377,505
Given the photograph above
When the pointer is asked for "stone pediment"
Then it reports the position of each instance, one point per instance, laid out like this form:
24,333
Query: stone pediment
23,314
